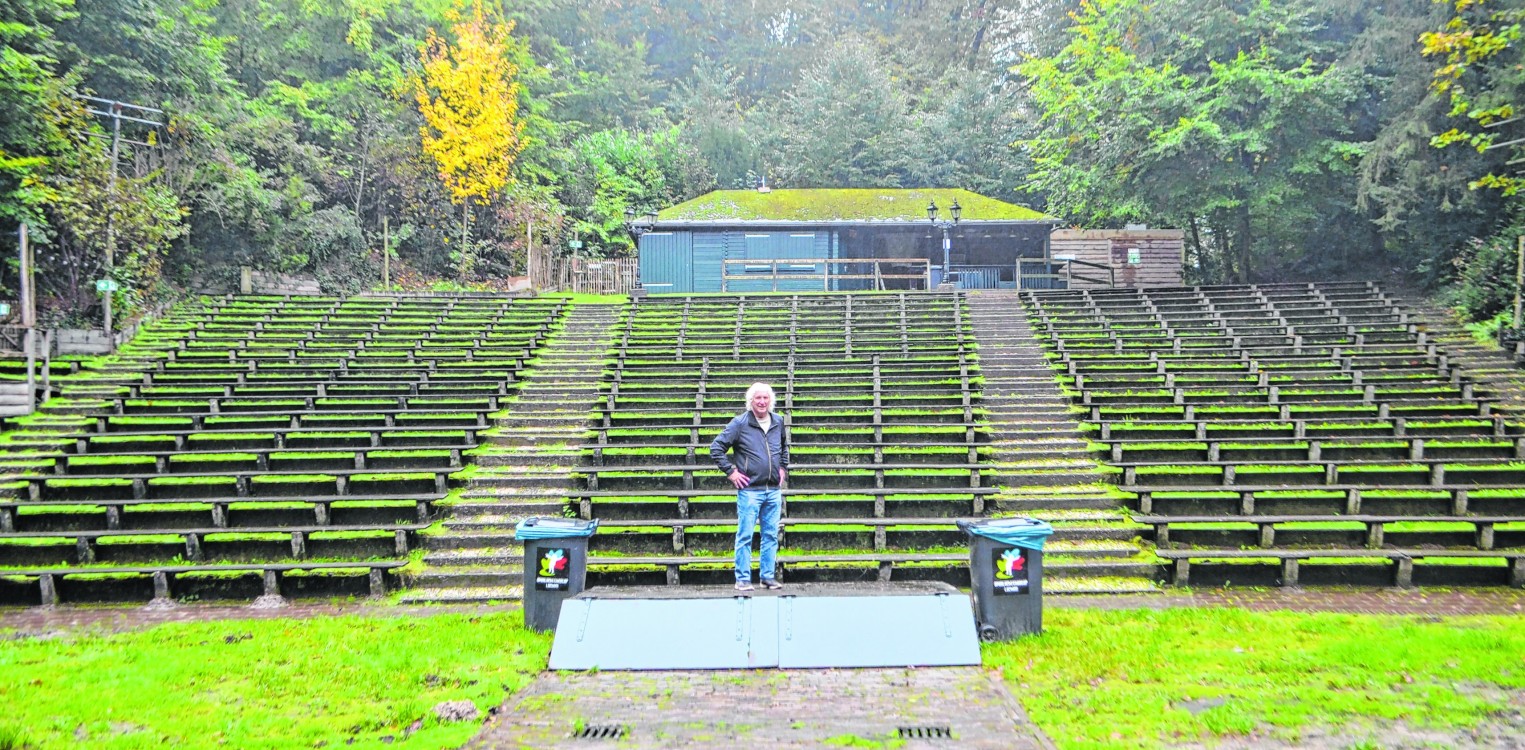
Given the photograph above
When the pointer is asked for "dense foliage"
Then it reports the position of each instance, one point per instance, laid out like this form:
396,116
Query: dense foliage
1289,139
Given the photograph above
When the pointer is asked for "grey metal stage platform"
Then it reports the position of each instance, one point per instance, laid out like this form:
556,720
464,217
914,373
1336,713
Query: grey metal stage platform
890,624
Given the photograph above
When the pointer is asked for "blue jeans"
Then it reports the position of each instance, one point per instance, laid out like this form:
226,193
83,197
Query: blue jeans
750,504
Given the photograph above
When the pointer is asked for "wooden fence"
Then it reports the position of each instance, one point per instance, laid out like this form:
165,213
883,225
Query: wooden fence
550,272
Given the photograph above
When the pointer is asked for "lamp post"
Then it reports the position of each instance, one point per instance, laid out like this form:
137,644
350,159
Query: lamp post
957,212
638,228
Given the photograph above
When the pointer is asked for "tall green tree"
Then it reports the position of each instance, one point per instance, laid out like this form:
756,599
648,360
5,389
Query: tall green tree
32,97
1226,120
845,124
1482,51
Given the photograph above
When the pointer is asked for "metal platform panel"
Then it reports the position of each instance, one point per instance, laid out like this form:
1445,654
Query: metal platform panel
805,626
732,633
929,630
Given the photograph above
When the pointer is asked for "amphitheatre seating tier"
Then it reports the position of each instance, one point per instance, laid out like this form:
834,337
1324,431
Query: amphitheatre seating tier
282,434
1380,567
881,398
22,517
136,583
198,544
1318,423
1370,531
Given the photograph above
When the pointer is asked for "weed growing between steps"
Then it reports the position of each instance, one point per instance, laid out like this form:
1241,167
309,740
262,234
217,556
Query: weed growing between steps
346,681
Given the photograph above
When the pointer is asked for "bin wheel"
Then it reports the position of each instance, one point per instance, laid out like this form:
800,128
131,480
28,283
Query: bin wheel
989,634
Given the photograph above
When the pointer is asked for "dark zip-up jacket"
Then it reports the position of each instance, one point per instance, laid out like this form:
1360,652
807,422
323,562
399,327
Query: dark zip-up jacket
757,455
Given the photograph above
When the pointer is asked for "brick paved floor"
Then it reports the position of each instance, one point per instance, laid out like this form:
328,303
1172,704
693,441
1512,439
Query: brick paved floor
1435,602
774,709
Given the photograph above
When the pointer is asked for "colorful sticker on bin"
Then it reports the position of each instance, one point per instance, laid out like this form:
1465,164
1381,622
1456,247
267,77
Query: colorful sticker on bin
551,574
1011,571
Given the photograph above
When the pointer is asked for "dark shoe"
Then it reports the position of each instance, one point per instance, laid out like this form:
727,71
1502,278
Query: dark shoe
744,586
771,585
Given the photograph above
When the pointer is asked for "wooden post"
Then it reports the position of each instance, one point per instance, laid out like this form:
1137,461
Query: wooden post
28,310
386,254
1519,278
28,317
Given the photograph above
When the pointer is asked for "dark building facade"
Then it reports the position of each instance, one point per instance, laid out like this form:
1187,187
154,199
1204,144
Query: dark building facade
839,240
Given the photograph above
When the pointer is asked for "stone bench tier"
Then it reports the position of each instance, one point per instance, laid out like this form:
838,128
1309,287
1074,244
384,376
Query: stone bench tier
1316,473
359,459
249,483
916,434
193,542
316,389
287,437
1320,419
1316,426
1483,527
1402,573
246,405
697,453
214,512
54,586
1335,499
460,419
802,477
714,504
1280,448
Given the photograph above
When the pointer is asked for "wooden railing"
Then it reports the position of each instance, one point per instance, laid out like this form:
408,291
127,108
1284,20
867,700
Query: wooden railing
1060,273
914,271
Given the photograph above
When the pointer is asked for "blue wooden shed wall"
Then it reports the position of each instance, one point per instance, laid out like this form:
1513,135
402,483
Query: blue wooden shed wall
685,261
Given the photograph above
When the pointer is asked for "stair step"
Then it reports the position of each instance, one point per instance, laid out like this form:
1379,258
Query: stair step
462,595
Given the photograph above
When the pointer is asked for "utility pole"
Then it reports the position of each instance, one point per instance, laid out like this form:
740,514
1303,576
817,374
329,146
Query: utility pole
115,110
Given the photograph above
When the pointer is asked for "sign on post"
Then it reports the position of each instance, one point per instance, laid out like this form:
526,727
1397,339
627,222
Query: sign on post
105,286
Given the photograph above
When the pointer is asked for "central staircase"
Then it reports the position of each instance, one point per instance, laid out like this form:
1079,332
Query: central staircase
1043,463
526,470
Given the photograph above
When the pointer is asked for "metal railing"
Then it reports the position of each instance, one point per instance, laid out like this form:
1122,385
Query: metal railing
877,271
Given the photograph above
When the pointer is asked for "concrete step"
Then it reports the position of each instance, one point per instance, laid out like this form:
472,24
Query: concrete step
525,480
491,505
466,594
456,538
476,556
548,458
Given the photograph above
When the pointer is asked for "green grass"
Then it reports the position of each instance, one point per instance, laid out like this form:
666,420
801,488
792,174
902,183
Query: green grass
319,682
1128,679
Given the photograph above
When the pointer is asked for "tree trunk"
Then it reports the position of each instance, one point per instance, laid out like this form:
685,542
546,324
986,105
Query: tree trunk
1204,261
1245,243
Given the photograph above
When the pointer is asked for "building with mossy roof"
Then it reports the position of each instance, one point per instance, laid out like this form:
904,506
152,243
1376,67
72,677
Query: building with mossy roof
839,239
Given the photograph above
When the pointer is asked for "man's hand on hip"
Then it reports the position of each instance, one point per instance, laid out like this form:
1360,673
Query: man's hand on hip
739,479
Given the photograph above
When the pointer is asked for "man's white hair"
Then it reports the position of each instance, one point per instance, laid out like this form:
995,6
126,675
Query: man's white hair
759,388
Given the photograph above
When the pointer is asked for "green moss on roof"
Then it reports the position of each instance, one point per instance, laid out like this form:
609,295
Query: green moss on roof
847,204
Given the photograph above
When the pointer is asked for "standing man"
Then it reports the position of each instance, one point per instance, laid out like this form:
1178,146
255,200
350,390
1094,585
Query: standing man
758,460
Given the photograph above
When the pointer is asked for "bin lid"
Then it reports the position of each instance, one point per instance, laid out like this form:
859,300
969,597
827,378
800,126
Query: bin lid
1027,533
553,528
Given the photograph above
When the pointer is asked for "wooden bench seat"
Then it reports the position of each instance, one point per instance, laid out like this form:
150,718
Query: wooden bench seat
1290,561
1346,499
218,509
140,486
1483,526
275,577
85,540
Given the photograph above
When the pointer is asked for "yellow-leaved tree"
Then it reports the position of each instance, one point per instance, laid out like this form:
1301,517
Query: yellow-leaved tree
468,94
